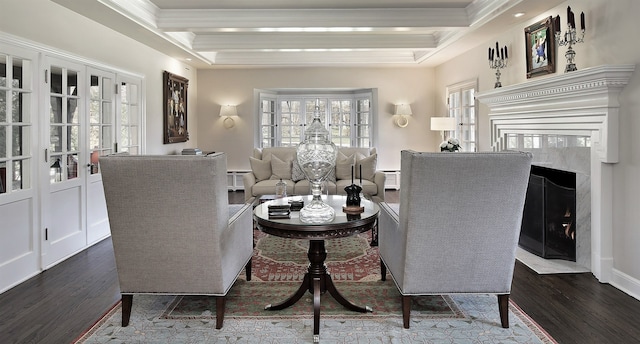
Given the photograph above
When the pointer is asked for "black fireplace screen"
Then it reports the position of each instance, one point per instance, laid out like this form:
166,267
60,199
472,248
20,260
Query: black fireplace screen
549,221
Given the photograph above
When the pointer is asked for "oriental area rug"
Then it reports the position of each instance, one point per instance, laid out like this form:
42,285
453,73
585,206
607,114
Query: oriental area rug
278,267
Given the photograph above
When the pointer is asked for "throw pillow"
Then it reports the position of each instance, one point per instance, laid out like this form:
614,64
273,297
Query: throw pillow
280,169
344,165
367,166
261,168
296,172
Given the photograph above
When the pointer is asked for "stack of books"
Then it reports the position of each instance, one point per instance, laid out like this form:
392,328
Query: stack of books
279,211
296,205
191,151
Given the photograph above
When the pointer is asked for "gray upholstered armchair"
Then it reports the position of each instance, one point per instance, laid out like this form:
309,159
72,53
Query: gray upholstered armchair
457,225
173,229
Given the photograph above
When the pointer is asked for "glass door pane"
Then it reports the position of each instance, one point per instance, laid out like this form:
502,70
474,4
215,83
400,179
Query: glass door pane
128,138
362,123
340,122
16,125
101,119
290,123
64,129
268,128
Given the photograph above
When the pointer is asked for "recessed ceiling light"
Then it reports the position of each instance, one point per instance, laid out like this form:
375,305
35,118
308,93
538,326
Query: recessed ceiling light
519,14
188,59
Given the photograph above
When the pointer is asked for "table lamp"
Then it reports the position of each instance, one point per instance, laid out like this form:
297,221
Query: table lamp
443,124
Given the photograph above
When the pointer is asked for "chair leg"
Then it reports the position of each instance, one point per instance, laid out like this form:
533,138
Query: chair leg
503,308
383,271
127,302
406,310
219,311
247,269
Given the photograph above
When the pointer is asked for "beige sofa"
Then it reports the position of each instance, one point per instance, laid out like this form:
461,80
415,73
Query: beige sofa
268,165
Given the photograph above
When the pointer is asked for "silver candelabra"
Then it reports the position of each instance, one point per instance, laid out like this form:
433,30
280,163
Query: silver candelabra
498,59
570,38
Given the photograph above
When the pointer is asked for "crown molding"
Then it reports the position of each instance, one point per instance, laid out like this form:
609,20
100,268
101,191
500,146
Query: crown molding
143,12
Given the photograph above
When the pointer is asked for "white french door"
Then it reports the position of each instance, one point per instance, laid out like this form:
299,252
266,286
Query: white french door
19,205
462,106
101,141
64,187
57,116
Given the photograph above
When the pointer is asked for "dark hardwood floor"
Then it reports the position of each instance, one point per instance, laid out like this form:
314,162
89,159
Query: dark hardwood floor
59,304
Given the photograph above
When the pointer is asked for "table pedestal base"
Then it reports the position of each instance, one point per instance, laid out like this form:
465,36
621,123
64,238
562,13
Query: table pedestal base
317,281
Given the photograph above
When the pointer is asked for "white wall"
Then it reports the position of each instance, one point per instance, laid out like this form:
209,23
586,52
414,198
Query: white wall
395,85
50,24
609,25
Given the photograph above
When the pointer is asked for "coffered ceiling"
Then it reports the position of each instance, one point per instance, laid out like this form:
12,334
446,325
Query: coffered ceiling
223,33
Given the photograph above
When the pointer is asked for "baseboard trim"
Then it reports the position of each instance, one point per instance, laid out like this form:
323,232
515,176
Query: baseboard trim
626,283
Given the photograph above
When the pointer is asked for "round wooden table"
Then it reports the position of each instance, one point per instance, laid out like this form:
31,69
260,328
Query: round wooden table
317,280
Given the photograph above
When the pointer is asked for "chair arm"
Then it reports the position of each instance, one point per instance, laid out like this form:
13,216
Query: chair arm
392,241
237,216
390,211
380,178
236,243
248,180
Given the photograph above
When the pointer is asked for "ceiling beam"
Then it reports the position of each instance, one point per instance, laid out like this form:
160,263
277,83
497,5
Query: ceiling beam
215,20
312,59
262,41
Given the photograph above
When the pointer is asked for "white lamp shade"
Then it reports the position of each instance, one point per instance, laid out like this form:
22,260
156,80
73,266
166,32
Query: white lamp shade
403,109
228,110
443,123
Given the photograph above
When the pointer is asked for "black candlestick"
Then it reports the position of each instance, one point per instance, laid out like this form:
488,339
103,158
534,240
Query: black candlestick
571,37
498,59
352,174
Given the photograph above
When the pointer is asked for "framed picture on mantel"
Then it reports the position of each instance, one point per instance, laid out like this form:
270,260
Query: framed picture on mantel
175,108
540,48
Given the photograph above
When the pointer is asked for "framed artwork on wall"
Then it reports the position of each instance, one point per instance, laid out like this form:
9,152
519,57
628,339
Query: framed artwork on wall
175,108
540,48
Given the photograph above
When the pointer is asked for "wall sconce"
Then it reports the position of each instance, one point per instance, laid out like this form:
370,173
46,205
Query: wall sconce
443,124
228,111
401,113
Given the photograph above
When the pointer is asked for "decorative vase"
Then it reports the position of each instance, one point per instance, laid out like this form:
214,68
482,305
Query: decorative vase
317,157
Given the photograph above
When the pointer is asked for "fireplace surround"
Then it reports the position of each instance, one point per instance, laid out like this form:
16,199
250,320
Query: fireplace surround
580,104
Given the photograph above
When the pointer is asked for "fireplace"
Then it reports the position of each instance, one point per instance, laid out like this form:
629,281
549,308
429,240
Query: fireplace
549,220
579,104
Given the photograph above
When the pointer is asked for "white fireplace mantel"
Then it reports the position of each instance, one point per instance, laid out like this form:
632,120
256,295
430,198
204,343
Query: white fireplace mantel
583,103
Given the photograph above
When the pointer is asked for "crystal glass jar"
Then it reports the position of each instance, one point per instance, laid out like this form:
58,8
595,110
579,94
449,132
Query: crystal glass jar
317,157
281,189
